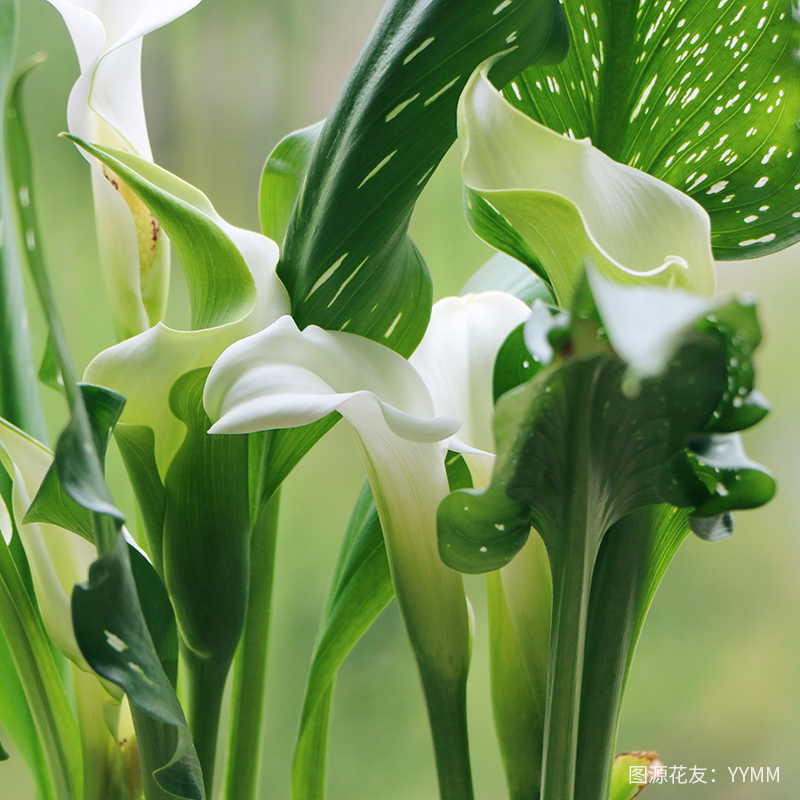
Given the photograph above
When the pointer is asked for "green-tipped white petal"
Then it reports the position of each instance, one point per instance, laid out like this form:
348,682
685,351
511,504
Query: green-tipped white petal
106,106
145,367
284,377
58,558
574,205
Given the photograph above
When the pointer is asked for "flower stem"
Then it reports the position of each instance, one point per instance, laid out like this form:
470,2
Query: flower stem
447,711
250,670
571,586
204,686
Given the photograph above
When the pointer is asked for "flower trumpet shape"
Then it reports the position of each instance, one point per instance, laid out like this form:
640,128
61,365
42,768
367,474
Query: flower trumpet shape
572,205
163,354
106,107
284,377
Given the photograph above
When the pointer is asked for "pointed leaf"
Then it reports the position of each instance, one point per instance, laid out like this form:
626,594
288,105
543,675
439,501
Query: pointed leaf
19,393
282,178
701,95
347,261
109,600
361,589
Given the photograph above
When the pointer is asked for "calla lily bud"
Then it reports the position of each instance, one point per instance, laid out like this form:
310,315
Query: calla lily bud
106,107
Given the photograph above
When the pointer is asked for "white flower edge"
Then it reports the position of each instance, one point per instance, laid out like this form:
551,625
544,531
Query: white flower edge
574,205
456,360
283,377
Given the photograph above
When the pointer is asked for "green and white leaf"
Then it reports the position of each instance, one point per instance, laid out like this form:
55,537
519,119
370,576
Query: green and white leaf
702,95
347,260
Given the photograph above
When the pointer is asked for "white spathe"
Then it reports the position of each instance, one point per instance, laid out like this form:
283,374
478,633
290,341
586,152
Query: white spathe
106,107
575,207
283,377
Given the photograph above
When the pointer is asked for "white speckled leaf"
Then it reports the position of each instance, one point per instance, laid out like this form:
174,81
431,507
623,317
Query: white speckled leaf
704,94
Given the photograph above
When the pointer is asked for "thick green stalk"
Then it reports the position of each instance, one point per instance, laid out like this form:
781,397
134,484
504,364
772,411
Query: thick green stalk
250,672
571,586
447,712
203,688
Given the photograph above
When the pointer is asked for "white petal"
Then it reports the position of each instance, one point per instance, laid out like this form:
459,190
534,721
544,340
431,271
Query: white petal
456,359
284,377
572,204
644,323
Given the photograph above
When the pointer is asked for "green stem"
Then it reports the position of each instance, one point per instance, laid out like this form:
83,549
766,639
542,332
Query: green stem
250,671
204,686
447,712
571,586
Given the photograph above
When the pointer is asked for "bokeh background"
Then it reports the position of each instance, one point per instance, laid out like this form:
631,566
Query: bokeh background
716,680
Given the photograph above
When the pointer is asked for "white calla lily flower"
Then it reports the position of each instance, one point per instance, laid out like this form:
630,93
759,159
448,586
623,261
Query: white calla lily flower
106,107
573,205
284,377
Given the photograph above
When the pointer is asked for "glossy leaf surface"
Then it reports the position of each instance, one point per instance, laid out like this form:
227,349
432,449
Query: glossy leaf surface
347,260
702,95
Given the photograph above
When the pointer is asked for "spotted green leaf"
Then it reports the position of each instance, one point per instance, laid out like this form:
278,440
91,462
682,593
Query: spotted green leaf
347,260
704,95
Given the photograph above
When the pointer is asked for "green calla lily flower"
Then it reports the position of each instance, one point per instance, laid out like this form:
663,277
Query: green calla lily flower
106,106
162,353
570,204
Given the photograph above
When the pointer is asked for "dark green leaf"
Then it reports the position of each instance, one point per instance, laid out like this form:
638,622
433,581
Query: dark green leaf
52,503
3,754
137,445
115,640
282,178
347,260
206,527
702,95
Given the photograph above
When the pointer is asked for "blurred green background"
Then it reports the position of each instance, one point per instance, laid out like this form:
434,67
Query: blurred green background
716,681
